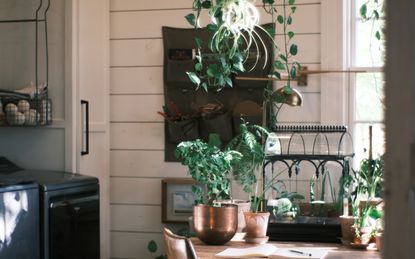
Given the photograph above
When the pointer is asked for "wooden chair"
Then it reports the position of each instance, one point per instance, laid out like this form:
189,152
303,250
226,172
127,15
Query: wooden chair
178,247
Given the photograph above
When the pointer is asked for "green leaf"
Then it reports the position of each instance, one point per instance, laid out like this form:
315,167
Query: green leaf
152,246
277,74
207,4
198,66
289,20
291,2
363,11
290,34
271,31
191,19
204,86
293,9
268,2
376,14
229,81
212,27
293,49
279,65
284,58
378,35
193,77
239,66
288,90
280,19
198,42
293,72
212,70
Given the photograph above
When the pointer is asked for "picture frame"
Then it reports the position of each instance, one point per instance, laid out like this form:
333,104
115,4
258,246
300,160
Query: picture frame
177,200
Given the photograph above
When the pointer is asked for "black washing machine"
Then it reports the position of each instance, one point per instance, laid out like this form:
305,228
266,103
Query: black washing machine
68,211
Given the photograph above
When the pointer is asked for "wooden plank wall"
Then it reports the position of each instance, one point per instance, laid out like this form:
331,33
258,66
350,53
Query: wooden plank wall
137,136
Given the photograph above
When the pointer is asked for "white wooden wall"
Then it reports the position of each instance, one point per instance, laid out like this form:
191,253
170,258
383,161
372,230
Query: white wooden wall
136,94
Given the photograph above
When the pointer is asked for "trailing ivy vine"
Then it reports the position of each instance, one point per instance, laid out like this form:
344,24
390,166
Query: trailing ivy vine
373,10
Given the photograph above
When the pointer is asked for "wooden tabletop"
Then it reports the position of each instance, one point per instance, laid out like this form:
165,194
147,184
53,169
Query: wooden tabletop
336,251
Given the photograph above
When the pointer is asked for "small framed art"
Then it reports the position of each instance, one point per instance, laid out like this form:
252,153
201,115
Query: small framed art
177,200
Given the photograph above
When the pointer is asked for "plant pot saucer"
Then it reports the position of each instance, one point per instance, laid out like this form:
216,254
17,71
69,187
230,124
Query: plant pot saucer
256,240
353,245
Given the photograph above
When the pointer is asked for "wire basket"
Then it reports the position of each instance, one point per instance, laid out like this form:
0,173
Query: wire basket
25,112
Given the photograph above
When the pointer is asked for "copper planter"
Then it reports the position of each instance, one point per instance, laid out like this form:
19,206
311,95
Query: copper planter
215,225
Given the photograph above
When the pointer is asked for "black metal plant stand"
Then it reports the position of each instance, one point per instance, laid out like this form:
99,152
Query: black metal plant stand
316,145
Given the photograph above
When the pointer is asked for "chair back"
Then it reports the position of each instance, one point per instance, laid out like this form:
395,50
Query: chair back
178,247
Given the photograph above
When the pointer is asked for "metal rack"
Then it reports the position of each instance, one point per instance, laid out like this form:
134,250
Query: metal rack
316,145
41,102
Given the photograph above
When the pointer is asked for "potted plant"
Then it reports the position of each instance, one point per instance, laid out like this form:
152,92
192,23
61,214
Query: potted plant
245,171
210,167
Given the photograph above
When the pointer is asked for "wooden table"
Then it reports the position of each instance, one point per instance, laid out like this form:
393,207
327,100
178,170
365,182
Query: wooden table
337,251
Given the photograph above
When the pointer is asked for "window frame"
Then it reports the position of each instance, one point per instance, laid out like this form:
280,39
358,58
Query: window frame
351,28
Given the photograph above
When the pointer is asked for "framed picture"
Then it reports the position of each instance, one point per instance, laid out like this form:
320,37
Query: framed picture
176,200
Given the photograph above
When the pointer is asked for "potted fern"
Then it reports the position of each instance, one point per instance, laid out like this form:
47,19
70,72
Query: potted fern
214,223
245,172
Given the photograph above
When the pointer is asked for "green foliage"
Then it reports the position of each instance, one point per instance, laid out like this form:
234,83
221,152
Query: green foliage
234,27
373,10
152,248
288,202
370,177
248,143
210,167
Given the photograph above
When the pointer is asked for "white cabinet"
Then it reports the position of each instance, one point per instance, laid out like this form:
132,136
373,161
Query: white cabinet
88,53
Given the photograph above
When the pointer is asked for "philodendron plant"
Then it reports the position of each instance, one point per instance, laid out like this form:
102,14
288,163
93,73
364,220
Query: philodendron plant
209,167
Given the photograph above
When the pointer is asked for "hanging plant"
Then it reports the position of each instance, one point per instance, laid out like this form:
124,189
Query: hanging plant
234,26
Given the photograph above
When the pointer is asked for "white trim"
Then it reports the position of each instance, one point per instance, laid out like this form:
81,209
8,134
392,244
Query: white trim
71,85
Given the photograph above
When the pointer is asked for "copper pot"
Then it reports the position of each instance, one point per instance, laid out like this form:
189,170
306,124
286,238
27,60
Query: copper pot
215,225
256,224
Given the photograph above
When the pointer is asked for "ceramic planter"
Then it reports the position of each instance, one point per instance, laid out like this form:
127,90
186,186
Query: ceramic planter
348,231
215,225
379,239
256,226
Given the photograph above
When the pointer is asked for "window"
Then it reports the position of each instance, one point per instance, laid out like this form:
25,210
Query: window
366,89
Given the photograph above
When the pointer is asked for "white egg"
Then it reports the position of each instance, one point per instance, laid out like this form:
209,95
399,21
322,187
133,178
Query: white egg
23,106
11,109
31,117
16,119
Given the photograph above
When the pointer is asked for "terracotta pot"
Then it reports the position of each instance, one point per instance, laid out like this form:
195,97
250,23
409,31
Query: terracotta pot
256,224
379,239
348,231
215,225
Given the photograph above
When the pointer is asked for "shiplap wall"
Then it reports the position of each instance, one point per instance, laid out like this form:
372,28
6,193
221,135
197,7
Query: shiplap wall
137,132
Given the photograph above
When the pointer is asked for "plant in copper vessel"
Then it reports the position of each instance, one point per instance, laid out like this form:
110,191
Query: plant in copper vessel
210,167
